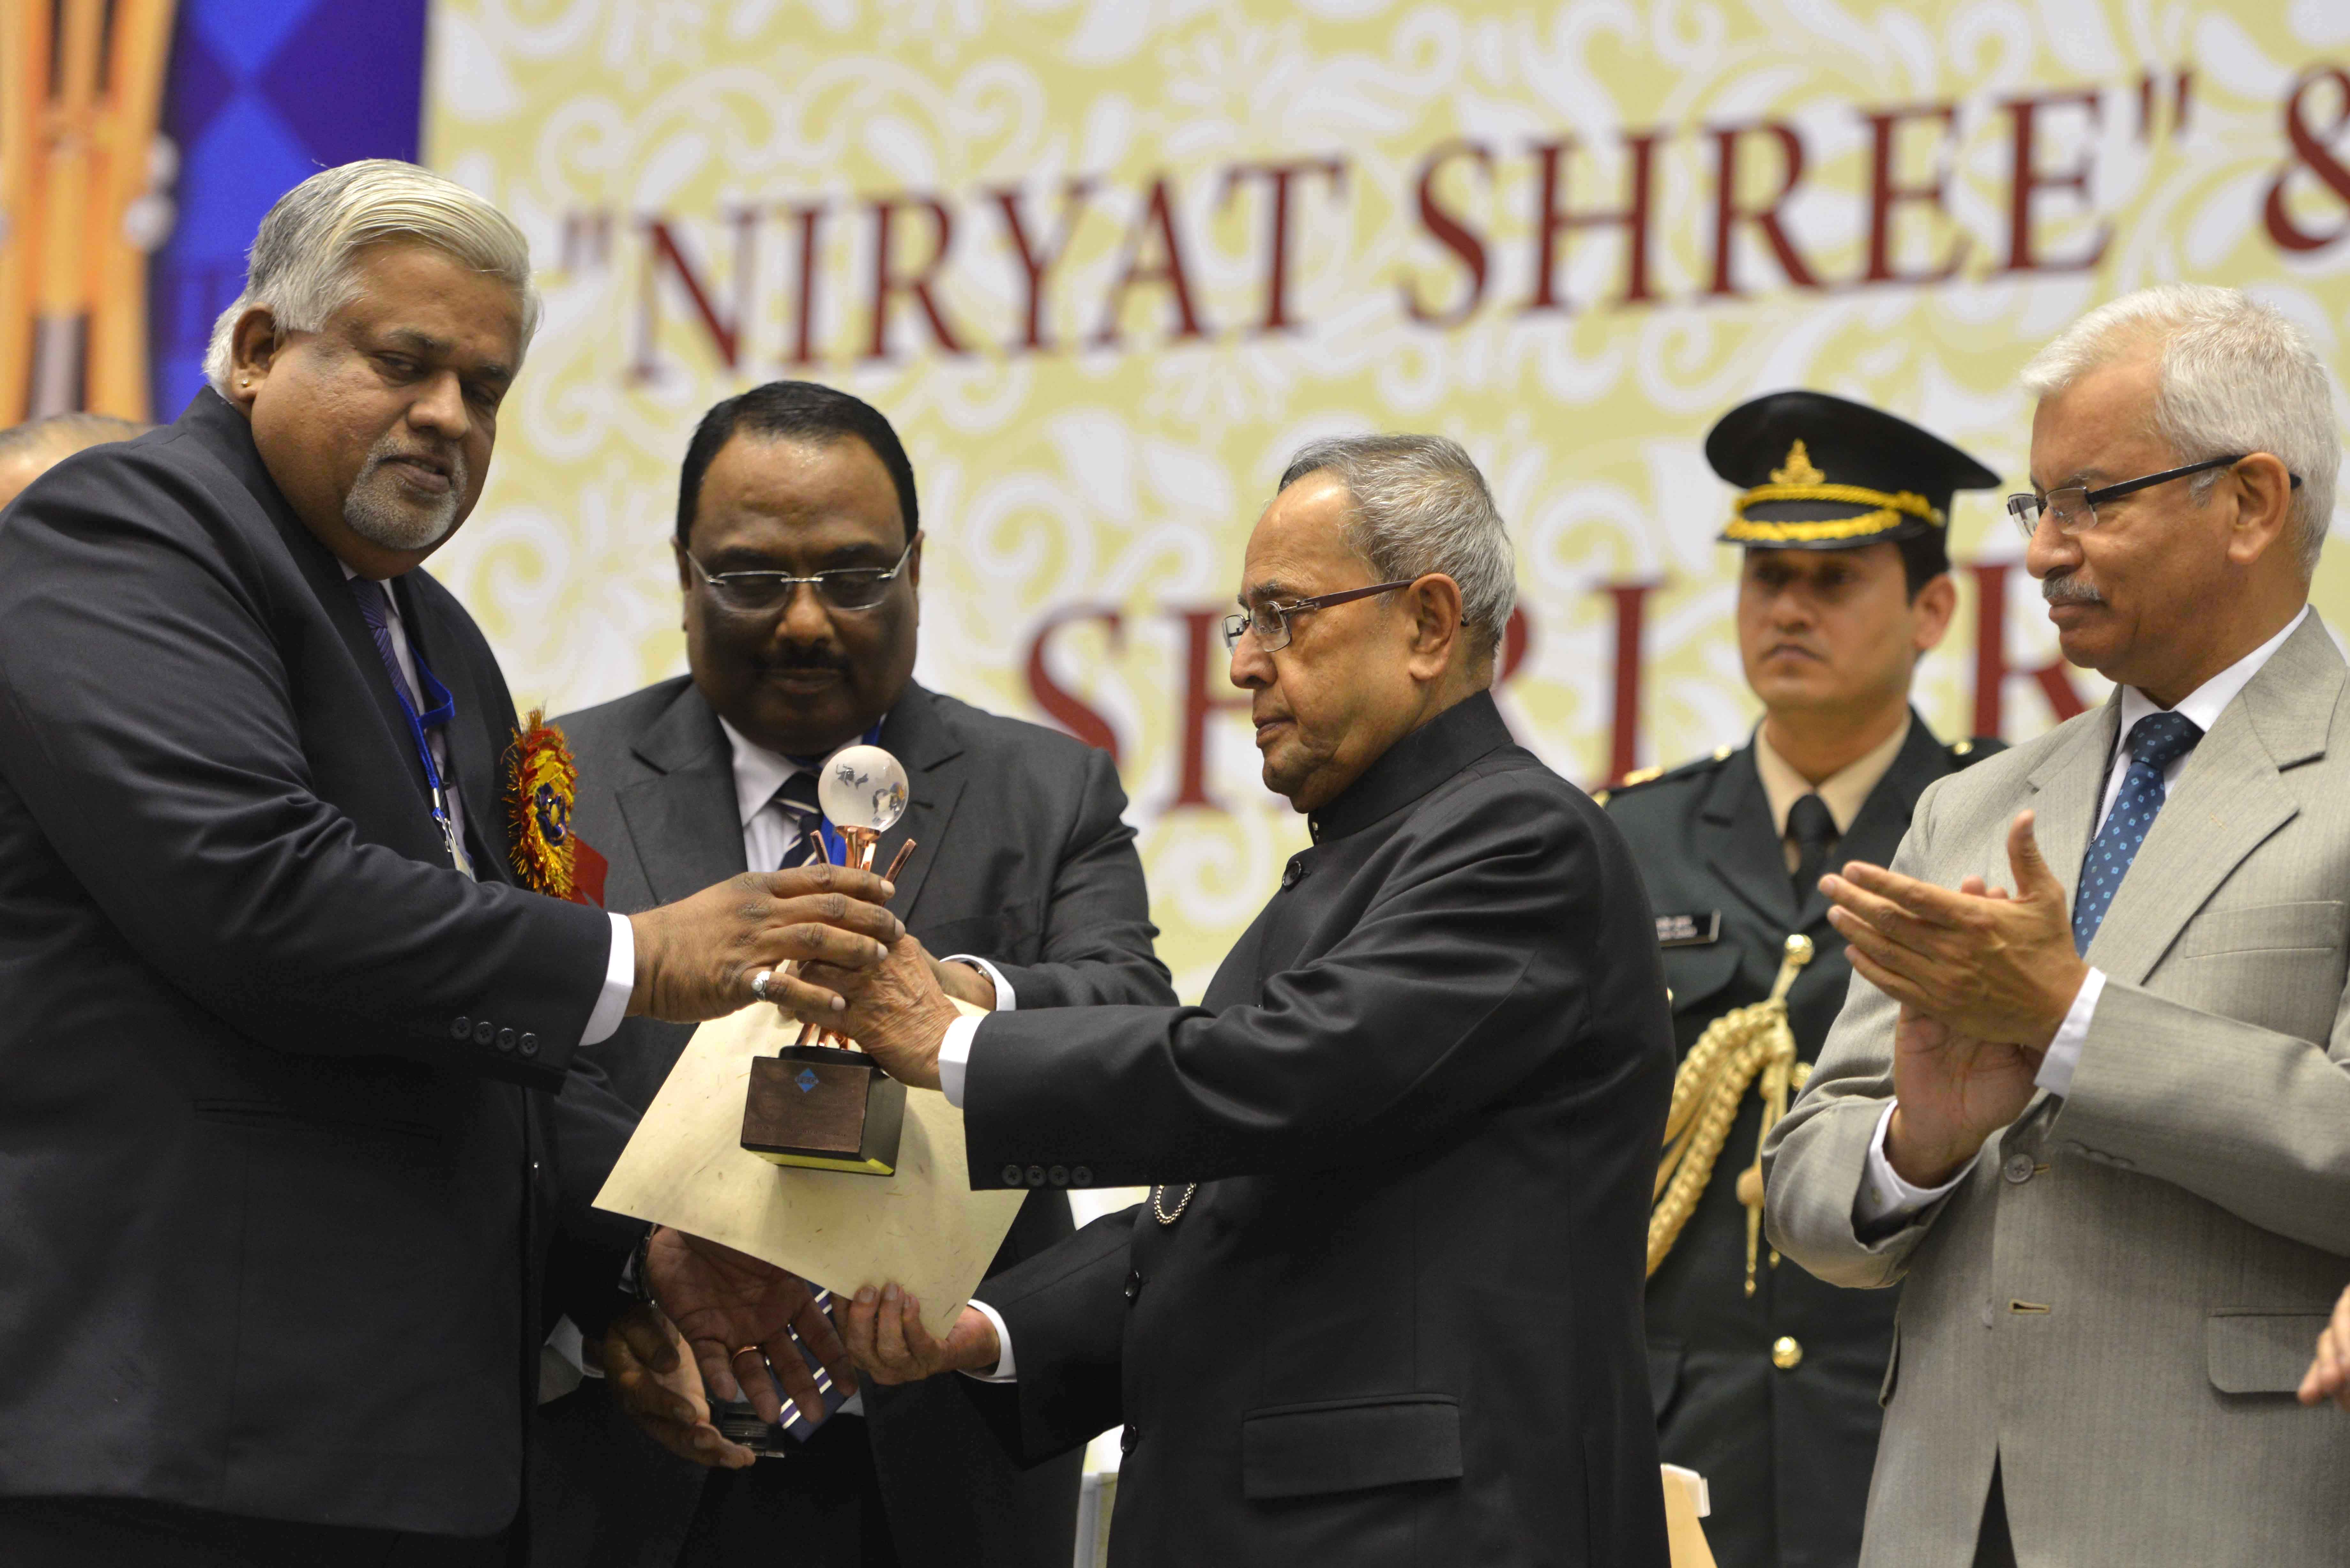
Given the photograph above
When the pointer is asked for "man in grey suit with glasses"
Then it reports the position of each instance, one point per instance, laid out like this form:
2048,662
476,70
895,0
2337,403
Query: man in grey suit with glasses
2090,1095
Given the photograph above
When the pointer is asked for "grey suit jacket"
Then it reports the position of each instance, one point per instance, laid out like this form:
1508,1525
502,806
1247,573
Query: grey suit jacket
2119,1298
1023,858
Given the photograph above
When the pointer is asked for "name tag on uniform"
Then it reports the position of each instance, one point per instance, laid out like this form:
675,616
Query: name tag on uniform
1689,931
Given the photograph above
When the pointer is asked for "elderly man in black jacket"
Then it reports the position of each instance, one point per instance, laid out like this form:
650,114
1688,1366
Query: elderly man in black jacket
278,1007
1383,1304
799,555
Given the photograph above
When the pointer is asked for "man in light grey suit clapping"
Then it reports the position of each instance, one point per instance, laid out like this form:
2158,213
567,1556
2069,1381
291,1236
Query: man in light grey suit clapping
2099,1117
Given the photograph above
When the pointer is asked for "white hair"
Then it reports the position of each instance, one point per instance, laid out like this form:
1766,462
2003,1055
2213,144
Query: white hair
1420,506
302,261
2236,377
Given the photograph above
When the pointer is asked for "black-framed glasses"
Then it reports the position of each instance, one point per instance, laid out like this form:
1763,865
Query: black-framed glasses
844,587
1270,620
2075,506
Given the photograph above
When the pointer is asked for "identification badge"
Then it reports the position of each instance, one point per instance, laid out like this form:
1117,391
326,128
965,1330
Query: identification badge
1689,931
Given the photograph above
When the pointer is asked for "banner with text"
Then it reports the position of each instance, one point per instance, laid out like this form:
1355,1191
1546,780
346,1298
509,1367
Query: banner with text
1106,263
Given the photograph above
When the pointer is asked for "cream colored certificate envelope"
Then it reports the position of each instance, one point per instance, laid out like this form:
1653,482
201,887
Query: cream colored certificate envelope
922,1228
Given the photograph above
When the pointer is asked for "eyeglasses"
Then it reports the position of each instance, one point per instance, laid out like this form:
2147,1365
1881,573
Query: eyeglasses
845,587
2075,506
1270,620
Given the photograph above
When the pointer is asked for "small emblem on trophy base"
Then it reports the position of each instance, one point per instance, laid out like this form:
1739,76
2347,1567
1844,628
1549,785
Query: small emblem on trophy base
826,1108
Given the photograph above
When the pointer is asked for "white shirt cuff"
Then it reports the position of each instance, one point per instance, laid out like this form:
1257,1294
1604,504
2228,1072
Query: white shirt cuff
567,1342
954,1056
2064,1058
1885,1198
1005,1372
619,983
1007,999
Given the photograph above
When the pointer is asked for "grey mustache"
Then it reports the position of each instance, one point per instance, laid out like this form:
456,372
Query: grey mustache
2064,590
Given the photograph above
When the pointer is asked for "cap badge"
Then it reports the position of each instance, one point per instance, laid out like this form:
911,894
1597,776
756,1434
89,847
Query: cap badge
1799,469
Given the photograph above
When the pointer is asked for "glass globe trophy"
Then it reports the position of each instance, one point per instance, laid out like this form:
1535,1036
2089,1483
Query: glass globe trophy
823,1103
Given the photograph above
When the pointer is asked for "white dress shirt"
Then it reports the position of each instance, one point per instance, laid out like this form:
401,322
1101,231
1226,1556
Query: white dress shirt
1885,1198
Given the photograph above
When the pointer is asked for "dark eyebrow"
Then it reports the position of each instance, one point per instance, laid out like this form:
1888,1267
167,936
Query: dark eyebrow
1273,588
420,342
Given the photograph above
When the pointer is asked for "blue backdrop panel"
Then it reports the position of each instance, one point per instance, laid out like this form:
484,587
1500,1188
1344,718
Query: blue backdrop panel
260,94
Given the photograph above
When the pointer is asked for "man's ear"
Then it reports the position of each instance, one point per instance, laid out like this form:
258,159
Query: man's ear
1433,603
2263,508
1936,603
253,346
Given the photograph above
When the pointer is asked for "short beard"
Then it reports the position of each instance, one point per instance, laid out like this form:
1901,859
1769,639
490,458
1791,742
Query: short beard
381,520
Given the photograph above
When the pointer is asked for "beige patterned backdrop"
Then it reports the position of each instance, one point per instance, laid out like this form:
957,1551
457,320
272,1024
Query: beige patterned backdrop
1174,239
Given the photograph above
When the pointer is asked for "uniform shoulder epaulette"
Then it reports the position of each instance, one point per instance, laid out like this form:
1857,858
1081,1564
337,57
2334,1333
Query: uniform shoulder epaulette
1639,778
1967,752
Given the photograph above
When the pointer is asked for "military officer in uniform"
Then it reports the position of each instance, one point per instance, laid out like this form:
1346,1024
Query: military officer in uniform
1765,1379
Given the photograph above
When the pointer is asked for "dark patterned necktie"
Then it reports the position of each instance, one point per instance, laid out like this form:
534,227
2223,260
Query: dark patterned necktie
797,800
1813,827
374,609
2154,743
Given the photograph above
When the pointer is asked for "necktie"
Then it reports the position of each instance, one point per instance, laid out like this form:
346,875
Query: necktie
1814,829
427,712
2154,743
374,608
797,800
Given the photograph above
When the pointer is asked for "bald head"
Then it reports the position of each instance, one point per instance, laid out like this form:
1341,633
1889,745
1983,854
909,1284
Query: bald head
30,449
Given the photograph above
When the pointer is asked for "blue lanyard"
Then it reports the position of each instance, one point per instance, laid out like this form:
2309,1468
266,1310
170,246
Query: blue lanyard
436,717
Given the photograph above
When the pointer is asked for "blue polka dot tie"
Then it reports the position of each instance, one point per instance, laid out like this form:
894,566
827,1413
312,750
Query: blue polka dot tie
2154,743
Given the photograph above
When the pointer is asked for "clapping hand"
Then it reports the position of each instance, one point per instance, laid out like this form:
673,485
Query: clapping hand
1992,968
2329,1372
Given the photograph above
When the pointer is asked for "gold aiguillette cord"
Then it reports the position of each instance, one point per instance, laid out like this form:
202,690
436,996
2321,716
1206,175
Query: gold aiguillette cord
1734,1048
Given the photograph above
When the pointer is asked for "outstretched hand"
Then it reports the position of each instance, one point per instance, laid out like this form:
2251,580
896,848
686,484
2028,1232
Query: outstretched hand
738,1315
1992,969
657,1383
886,1337
896,1011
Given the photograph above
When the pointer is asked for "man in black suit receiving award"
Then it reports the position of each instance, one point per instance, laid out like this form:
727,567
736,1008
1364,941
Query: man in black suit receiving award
799,554
1383,1304
280,1002
1765,1378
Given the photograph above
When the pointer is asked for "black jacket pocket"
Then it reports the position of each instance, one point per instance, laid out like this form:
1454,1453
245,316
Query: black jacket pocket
1353,1445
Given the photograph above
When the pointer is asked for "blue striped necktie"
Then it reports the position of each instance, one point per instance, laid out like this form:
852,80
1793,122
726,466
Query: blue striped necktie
797,800
2154,743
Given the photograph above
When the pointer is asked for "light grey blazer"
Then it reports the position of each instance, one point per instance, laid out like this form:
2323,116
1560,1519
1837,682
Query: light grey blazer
2119,1298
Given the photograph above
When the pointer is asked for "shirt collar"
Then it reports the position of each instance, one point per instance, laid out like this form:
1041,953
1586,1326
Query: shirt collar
760,773
2204,705
1414,765
1844,792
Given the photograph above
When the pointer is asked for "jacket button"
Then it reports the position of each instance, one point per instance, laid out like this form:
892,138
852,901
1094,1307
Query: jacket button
2017,1169
505,1039
1059,1175
1290,873
1011,1174
1786,1355
1133,1285
530,1045
1035,1176
485,1032
1081,1176
1127,1437
461,1028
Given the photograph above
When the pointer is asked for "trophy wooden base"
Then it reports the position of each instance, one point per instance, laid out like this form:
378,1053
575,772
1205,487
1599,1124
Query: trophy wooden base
825,1108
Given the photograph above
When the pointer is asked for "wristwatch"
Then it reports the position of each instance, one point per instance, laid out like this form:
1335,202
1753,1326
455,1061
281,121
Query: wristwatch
636,1276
